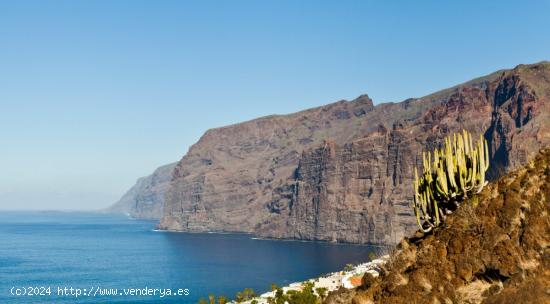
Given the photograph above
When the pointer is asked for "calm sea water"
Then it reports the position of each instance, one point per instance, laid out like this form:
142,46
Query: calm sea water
101,253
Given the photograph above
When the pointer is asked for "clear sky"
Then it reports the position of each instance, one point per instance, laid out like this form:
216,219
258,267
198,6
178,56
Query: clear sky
94,94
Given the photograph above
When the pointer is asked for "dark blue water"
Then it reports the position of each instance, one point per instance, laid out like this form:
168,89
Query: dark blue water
95,252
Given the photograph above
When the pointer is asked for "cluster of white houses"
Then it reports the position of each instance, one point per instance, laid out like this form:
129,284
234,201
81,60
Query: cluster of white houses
333,281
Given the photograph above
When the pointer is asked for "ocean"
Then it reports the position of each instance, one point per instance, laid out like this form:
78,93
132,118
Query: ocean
77,257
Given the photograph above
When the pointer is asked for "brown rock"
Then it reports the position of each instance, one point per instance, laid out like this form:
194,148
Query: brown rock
342,172
465,272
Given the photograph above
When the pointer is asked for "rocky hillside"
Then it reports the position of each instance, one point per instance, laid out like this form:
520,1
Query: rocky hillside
145,199
343,172
494,251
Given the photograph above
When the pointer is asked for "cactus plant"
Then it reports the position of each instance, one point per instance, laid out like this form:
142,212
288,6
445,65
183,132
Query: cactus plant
454,173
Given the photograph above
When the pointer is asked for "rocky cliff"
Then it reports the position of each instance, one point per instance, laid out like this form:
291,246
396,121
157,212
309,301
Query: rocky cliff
343,172
145,200
495,251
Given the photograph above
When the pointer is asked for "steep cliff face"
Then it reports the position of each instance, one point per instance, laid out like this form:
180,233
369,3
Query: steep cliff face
334,182
520,117
343,172
360,191
236,178
145,199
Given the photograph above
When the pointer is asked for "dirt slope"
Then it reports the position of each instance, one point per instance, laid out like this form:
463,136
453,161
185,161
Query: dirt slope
497,251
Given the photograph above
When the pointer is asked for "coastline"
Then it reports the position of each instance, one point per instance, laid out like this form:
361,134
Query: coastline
347,279
257,238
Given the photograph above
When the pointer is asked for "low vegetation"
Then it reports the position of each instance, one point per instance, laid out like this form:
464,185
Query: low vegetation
242,296
306,295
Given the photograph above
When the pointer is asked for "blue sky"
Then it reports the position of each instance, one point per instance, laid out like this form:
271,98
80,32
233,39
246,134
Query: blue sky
94,94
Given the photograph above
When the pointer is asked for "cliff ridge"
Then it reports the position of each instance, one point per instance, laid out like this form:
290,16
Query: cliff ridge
342,172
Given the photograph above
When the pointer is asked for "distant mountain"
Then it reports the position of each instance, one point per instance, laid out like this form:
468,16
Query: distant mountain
146,198
343,172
